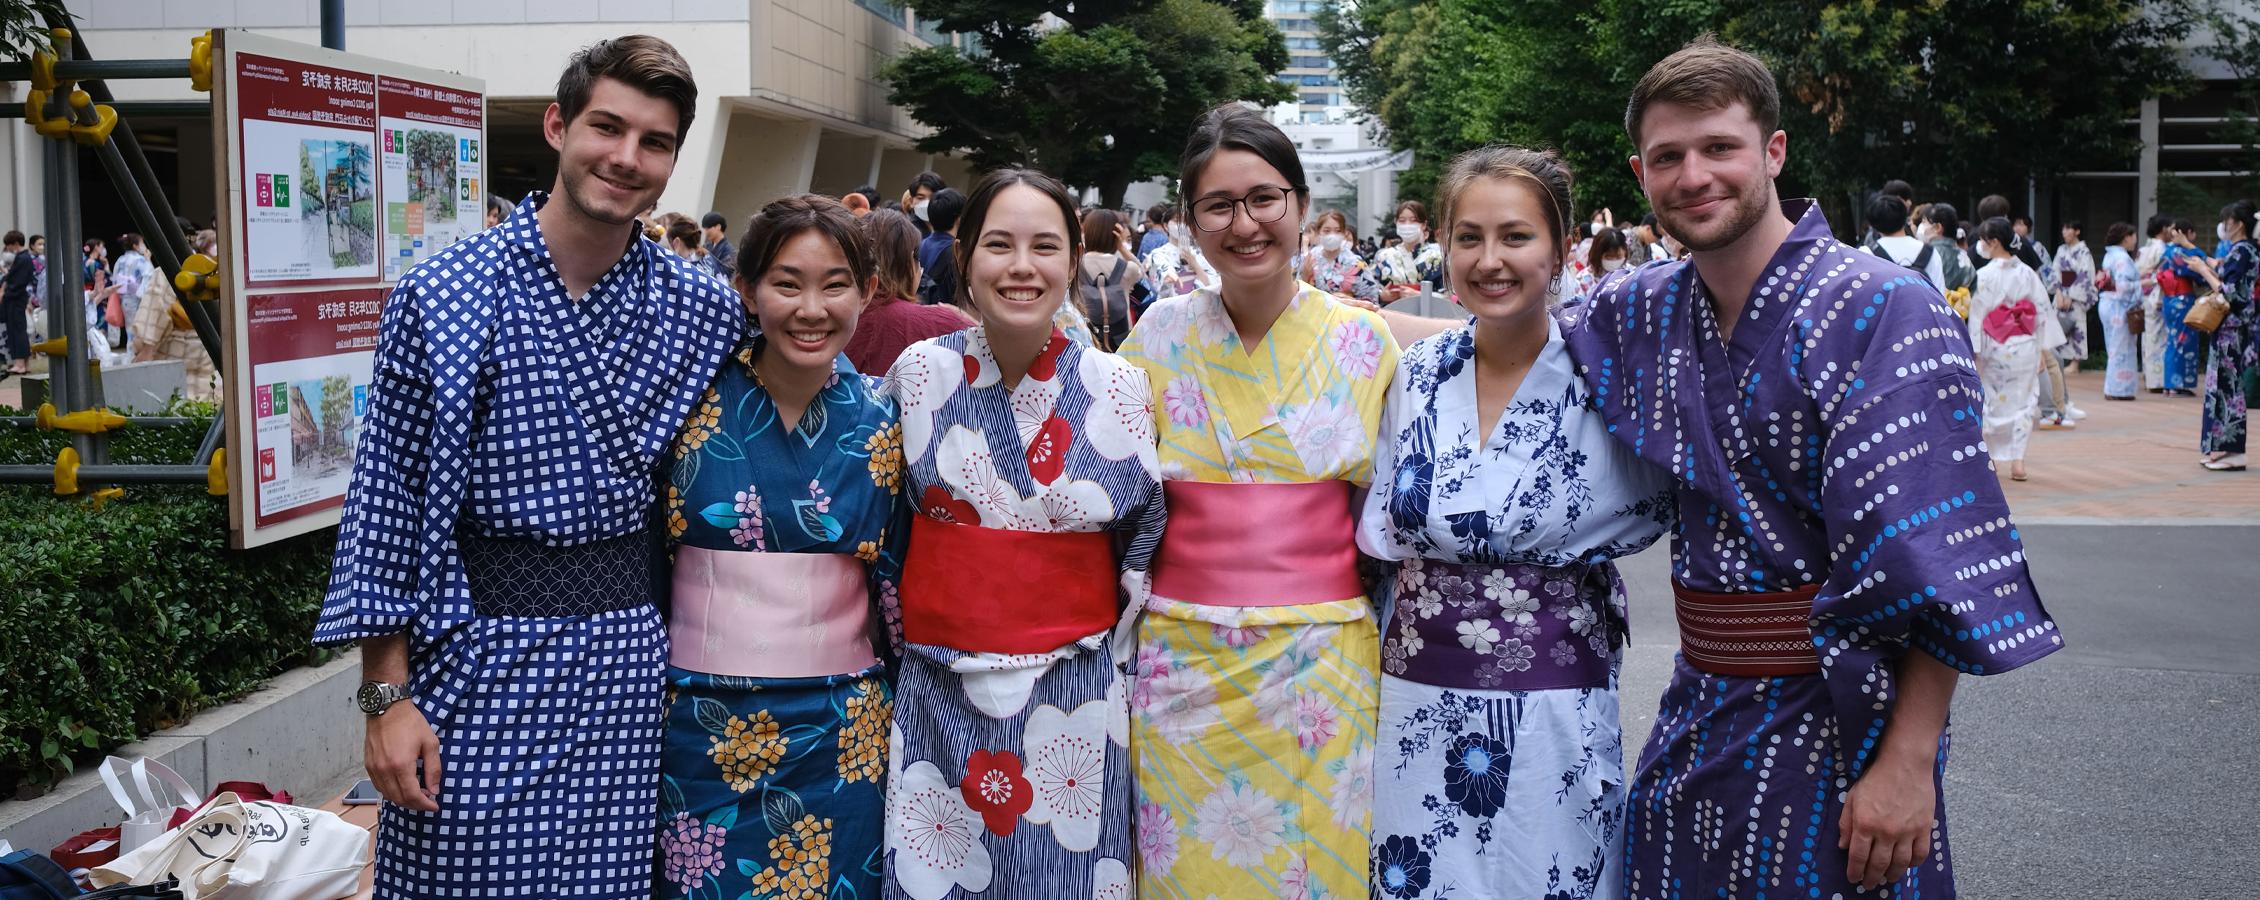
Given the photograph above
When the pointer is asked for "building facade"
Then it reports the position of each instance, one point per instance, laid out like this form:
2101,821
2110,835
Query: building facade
790,98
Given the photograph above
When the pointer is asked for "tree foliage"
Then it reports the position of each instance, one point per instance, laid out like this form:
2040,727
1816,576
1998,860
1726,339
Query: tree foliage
23,27
1961,99
1098,93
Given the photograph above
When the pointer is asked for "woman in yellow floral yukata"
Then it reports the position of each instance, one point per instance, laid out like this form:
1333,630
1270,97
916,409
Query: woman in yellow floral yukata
1256,677
783,489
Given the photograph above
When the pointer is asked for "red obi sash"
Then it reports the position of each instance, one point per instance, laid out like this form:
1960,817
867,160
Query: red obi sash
1747,635
988,590
1232,544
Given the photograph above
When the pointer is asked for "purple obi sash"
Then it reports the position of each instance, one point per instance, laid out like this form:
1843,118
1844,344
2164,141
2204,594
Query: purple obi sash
769,615
1504,628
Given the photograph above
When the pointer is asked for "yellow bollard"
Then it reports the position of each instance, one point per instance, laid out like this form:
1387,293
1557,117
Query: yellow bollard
216,477
66,472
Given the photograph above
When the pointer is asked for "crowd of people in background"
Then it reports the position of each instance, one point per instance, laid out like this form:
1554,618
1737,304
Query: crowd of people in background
131,311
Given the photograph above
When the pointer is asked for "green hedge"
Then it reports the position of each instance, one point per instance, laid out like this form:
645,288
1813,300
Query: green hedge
119,621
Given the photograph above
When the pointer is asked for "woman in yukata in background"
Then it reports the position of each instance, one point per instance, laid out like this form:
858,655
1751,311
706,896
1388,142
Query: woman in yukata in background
1331,265
784,502
2122,373
1499,503
2009,334
1031,461
1253,702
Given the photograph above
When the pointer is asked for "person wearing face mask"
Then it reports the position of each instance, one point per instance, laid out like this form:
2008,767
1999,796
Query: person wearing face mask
1031,465
2012,328
1415,260
1331,266
781,558
2222,437
937,251
1604,254
917,197
1252,701
1505,616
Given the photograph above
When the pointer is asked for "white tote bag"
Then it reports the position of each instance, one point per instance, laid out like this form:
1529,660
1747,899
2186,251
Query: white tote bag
263,850
148,791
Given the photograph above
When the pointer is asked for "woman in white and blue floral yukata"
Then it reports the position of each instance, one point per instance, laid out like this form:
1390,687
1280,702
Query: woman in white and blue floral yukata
1499,502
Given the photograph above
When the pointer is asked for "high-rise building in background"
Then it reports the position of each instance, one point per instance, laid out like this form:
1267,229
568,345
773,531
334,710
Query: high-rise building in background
1318,89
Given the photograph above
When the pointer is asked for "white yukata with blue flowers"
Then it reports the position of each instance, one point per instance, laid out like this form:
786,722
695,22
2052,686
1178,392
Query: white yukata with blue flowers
504,409
1499,772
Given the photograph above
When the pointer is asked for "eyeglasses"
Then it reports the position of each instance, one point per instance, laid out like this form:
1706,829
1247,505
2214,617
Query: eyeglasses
1264,205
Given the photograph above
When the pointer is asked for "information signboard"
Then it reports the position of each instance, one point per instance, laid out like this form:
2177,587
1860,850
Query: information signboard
342,171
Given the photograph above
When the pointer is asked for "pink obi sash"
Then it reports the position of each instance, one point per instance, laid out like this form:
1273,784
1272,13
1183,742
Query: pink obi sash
991,590
769,615
2016,318
1258,544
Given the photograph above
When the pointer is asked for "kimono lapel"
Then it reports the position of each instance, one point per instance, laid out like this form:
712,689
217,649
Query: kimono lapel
1250,387
1729,367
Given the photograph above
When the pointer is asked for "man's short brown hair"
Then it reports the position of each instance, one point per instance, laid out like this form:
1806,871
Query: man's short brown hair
640,61
1706,75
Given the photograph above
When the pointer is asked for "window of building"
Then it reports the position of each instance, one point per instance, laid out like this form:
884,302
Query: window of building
1309,62
1303,43
1284,24
885,9
931,31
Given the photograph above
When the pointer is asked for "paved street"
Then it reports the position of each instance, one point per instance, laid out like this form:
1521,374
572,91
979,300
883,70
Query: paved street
2124,765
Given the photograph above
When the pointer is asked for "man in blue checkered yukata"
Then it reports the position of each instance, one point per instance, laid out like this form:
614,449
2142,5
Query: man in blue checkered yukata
496,560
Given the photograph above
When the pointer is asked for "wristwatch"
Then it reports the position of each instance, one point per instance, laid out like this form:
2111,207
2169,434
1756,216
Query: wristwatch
376,696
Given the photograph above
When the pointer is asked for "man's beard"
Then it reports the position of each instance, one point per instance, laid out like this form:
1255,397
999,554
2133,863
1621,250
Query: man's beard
1747,213
575,190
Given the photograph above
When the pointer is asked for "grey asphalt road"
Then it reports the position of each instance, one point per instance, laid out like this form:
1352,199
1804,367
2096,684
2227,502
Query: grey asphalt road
2126,765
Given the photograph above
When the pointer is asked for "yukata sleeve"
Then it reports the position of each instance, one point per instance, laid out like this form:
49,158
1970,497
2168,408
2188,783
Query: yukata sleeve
375,577
1923,552
1365,281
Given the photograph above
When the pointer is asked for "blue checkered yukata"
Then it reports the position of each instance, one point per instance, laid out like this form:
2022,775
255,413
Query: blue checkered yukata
500,513
1833,440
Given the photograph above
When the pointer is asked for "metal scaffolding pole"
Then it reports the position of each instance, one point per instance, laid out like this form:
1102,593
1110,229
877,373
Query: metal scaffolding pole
66,306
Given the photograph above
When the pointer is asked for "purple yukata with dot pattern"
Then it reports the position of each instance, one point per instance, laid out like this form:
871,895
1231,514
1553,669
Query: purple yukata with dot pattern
501,407
1835,440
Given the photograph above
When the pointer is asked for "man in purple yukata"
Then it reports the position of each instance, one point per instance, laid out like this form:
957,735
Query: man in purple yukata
1843,552
496,559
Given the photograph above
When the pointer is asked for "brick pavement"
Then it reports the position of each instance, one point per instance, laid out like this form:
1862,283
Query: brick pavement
2128,462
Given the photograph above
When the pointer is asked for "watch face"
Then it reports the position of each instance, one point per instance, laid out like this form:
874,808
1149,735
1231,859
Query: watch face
373,697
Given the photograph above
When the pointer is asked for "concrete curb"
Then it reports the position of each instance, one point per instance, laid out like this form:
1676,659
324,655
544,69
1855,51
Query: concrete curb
300,733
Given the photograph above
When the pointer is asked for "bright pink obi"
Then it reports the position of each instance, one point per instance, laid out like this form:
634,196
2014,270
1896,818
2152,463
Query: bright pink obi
769,615
1258,544
990,590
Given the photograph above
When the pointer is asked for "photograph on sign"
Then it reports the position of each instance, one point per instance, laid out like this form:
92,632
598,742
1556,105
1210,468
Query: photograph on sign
312,352
429,147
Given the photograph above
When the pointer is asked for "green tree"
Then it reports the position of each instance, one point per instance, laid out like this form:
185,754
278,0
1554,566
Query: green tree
1098,93
23,27
1961,99
2236,45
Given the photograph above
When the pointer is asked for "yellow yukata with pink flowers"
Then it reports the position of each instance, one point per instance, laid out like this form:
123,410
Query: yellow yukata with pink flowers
1253,725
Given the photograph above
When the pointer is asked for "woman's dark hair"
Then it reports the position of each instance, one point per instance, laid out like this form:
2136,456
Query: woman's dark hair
14,238
1605,242
1886,214
2157,223
894,252
1993,206
1334,214
1098,231
2242,211
685,233
2184,225
2118,231
2077,227
1236,127
944,209
499,207
131,241
931,182
1539,169
1945,216
1900,189
1997,230
1419,212
783,220
1160,213
976,217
